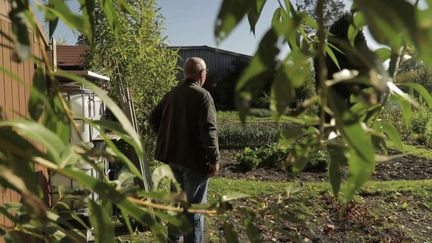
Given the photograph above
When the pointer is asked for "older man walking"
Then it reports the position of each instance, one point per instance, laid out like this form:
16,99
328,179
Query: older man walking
185,122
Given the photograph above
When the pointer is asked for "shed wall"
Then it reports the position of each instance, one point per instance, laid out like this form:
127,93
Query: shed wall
219,62
14,96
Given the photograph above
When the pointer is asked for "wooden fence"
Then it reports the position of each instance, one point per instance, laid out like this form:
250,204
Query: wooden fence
14,96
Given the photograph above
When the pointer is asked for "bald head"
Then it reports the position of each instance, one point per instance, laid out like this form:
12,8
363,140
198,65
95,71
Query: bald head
195,68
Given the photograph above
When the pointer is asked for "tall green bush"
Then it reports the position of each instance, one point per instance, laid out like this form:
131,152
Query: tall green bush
138,58
273,155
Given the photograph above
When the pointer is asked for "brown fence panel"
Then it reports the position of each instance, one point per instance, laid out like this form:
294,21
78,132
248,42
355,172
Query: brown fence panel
14,98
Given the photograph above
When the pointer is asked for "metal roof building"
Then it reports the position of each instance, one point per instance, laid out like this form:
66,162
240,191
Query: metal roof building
219,61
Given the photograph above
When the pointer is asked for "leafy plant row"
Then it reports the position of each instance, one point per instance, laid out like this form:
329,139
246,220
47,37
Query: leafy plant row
273,155
234,135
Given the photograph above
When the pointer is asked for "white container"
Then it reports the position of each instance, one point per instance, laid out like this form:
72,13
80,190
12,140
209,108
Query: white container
84,105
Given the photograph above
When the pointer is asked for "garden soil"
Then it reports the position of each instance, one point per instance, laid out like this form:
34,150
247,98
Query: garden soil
405,167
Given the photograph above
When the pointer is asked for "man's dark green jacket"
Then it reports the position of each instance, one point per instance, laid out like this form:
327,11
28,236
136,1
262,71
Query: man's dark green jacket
185,122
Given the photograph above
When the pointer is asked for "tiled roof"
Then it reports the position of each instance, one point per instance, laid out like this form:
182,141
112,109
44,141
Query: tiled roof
70,56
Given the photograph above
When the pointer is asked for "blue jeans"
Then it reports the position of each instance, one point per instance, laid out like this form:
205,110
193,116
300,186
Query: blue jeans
195,185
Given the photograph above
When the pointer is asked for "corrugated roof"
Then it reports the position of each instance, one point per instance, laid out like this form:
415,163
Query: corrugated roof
210,49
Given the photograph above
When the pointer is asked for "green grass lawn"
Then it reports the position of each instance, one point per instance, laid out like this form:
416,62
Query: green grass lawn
223,186
233,117
417,151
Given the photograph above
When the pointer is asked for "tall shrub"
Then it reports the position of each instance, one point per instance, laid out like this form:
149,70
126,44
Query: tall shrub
139,59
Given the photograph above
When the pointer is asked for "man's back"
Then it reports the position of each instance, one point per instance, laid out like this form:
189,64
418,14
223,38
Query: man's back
185,121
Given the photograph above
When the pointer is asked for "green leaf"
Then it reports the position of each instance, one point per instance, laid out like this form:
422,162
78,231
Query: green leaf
337,159
392,133
360,171
69,156
88,10
257,74
310,21
331,54
127,222
383,53
300,154
56,119
117,129
387,26
291,75
6,212
233,196
394,60
290,8
36,106
59,9
406,109
21,181
229,16
361,153
72,232
17,15
111,15
101,222
230,234
73,215
161,172
52,20
289,136
379,143
33,130
352,33
277,17
358,20
251,231
10,138
361,157
421,90
424,37
282,91
254,13
107,124
127,8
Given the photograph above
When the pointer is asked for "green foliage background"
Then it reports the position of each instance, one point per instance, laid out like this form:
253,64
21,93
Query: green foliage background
138,57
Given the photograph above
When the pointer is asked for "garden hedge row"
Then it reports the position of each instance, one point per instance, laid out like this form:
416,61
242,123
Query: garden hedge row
234,135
